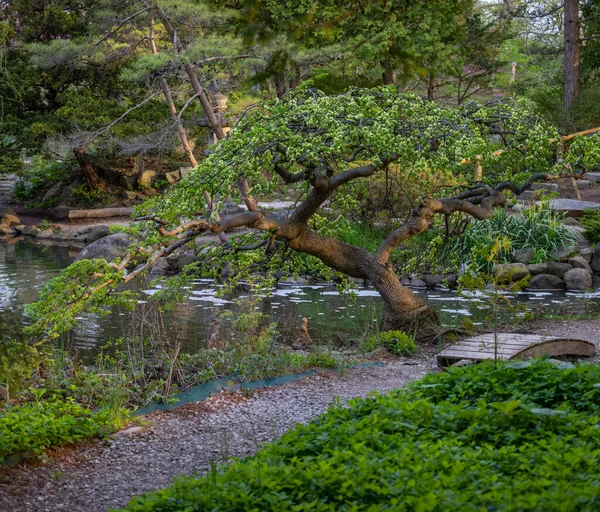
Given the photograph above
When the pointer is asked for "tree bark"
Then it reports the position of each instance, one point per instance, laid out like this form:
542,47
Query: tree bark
94,182
388,73
430,87
572,81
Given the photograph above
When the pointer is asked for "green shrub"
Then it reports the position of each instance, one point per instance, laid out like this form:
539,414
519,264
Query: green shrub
397,342
41,175
81,196
31,428
591,222
450,442
538,228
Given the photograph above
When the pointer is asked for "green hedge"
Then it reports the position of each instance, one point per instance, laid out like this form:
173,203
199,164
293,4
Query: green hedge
523,436
30,428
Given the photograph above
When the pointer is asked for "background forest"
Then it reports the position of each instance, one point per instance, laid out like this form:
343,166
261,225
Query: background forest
105,88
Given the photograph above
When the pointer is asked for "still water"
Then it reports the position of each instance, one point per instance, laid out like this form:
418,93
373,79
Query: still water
26,266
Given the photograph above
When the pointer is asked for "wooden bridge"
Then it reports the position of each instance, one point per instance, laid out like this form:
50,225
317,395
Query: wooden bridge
513,346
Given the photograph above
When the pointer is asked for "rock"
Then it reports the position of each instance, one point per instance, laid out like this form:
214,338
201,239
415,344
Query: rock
565,252
587,253
149,192
9,219
451,280
96,233
6,231
54,192
524,255
7,210
537,268
130,194
584,184
31,230
128,182
572,207
160,268
511,271
145,178
173,176
557,268
433,280
109,248
578,279
129,432
290,281
46,233
415,282
553,187
595,264
546,282
570,221
183,260
405,281
229,208
596,281
580,262
20,228
526,195
593,176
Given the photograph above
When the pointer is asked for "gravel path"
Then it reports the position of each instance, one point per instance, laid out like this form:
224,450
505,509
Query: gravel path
108,474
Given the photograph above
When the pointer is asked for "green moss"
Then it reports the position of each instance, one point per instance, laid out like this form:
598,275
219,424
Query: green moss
397,342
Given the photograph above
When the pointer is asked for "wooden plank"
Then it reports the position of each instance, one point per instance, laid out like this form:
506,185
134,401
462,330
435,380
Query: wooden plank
101,213
513,346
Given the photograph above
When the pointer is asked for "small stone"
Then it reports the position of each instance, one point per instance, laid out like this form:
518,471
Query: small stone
173,176
46,233
129,432
146,178
587,253
546,282
578,279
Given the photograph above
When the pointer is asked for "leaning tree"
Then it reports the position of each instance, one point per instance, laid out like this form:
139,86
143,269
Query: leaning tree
322,146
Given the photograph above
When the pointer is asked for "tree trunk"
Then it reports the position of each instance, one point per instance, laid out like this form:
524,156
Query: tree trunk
388,73
572,81
91,177
402,309
430,87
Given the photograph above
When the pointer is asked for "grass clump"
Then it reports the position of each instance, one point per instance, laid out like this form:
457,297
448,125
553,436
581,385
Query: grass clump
520,437
397,342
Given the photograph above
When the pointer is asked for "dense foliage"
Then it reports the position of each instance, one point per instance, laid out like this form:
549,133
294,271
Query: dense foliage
591,222
522,436
30,428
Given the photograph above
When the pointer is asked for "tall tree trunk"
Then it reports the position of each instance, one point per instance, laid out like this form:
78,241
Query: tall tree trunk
572,81
94,182
388,72
430,86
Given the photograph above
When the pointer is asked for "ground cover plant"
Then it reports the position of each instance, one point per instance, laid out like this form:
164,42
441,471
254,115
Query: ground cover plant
522,436
29,428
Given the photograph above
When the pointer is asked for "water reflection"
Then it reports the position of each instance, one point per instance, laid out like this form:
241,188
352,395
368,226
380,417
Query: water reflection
25,267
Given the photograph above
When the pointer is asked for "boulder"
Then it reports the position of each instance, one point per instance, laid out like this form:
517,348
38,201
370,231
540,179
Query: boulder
145,178
565,252
584,184
46,233
587,253
578,279
8,216
54,192
570,221
595,264
580,262
526,195
173,176
553,187
96,233
433,280
415,282
557,268
572,207
405,281
451,280
593,176
524,255
160,268
183,260
31,230
546,282
511,272
537,268
128,182
6,231
109,248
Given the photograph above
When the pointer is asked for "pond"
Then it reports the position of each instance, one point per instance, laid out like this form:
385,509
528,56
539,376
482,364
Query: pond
26,266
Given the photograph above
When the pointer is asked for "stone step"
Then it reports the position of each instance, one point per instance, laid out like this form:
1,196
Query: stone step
593,176
572,207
